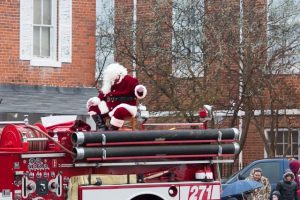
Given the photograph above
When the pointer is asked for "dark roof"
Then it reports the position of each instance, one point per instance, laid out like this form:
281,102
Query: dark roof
44,99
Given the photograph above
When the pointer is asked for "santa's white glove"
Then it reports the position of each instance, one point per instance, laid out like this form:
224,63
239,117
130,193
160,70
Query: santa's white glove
140,91
94,101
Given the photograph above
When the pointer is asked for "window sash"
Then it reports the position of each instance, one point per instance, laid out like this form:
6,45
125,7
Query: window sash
43,29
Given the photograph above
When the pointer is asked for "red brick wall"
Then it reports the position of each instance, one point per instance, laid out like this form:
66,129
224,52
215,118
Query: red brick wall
79,73
254,146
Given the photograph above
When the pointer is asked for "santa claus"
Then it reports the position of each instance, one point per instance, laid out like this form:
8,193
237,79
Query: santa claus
117,98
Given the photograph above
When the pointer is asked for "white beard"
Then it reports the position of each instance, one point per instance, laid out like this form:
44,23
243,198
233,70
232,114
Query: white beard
107,84
106,87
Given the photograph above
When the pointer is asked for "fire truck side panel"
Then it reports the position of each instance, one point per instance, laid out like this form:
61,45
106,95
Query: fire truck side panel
163,191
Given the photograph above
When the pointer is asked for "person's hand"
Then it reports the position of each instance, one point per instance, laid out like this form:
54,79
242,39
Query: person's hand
140,91
94,101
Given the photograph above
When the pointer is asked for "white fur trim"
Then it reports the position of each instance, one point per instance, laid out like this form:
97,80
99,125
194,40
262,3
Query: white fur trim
116,122
131,109
144,91
91,113
94,101
103,107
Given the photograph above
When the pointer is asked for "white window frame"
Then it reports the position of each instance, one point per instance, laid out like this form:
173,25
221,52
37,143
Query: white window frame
285,130
60,43
274,5
192,68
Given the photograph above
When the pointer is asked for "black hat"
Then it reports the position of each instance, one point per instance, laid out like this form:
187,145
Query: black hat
277,193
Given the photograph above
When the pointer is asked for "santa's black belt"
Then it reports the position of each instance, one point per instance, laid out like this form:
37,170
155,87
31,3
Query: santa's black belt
112,99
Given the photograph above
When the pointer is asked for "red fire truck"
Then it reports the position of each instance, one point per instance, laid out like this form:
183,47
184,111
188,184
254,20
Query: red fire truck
69,161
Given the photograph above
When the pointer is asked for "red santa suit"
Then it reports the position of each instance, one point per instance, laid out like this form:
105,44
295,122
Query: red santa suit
118,96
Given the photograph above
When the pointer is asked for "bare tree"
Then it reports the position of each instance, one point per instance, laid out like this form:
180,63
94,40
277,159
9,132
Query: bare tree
273,97
231,54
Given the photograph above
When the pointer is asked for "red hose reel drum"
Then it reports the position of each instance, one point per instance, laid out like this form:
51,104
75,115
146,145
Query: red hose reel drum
12,138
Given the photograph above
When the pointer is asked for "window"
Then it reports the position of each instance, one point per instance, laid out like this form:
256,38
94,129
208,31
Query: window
104,35
284,35
45,33
286,143
188,17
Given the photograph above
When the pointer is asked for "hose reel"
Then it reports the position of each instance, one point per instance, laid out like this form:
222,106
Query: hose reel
17,136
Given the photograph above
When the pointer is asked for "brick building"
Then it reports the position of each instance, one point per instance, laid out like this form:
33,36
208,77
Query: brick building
47,57
48,63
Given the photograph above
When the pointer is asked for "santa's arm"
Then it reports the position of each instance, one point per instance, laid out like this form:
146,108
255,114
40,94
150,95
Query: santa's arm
130,87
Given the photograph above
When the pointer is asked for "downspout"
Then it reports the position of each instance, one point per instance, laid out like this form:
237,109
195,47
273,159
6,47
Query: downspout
134,29
241,81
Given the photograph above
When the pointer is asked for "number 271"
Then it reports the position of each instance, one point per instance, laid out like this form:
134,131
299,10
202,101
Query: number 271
200,192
